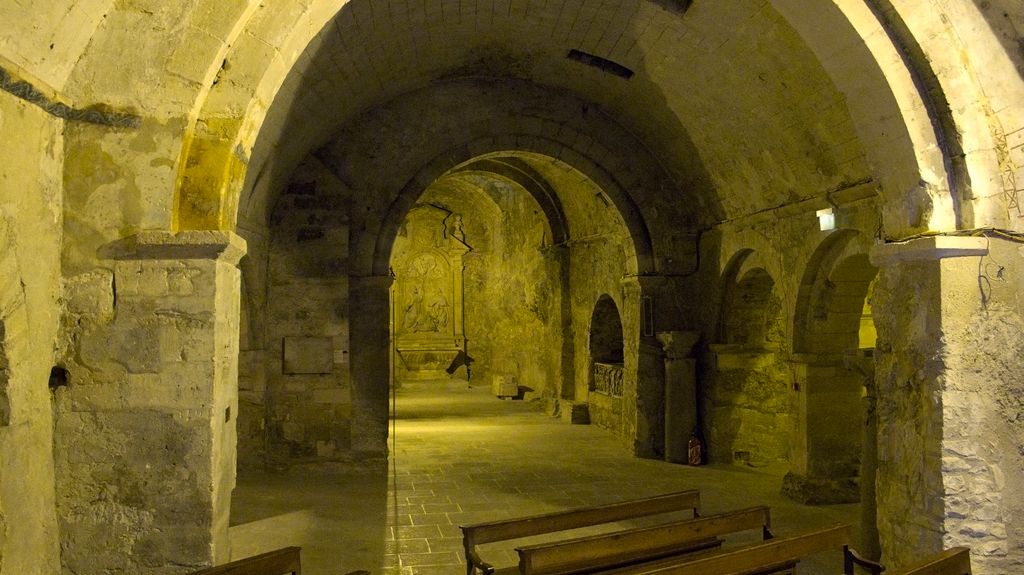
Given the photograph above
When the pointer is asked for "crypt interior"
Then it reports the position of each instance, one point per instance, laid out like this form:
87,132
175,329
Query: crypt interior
255,249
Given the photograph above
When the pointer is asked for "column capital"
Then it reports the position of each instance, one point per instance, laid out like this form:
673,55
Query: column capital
678,344
929,248
185,245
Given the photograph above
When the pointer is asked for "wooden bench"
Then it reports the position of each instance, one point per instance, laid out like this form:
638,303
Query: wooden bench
776,555
955,561
494,531
636,546
281,562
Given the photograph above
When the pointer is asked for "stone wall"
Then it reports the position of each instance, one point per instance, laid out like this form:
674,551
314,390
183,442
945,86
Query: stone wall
600,256
748,400
748,412
30,290
306,323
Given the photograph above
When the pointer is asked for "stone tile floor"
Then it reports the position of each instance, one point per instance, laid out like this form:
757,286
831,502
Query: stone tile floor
461,456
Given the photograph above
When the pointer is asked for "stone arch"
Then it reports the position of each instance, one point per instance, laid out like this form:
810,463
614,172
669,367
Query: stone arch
505,157
231,112
219,139
968,120
831,372
886,107
746,406
515,170
832,294
252,85
512,145
752,314
748,286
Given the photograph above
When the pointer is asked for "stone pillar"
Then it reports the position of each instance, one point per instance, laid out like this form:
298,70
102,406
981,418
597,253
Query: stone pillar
145,434
863,362
950,376
680,392
649,378
370,362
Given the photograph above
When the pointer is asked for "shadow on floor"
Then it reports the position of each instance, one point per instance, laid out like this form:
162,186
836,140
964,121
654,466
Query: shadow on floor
460,455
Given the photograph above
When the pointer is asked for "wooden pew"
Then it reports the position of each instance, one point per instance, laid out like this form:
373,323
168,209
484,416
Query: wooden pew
773,556
494,531
634,546
955,561
281,562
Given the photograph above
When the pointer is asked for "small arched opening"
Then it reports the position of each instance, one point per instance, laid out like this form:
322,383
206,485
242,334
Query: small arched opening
747,405
607,355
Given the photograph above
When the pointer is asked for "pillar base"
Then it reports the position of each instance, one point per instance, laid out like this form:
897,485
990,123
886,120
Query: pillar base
811,490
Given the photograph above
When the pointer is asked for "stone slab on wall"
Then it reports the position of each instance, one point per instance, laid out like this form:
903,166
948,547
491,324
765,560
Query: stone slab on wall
308,355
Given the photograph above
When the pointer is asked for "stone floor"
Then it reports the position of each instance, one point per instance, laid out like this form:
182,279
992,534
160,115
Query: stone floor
460,456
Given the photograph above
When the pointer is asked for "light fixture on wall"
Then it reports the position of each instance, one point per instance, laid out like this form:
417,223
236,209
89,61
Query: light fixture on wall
826,219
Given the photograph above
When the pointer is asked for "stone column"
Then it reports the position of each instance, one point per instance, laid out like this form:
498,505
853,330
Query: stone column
145,434
648,383
370,341
680,392
863,362
950,378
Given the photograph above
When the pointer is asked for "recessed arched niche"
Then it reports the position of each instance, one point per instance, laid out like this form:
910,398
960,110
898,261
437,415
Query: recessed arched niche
607,368
428,302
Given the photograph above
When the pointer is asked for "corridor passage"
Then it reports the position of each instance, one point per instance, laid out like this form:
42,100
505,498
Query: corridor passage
462,456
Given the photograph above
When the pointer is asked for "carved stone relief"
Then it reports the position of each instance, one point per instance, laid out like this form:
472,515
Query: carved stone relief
427,294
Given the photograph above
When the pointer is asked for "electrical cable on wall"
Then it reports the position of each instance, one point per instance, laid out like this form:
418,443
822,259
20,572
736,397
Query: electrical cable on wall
1008,235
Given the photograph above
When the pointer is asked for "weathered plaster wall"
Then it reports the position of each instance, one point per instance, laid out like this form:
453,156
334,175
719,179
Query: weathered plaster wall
30,291
49,38
116,184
